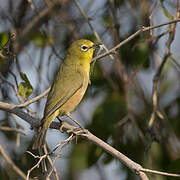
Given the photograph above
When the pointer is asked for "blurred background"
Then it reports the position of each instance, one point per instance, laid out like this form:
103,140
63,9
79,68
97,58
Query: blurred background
117,107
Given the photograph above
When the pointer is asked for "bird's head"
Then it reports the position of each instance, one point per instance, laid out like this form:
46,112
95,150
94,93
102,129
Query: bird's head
81,51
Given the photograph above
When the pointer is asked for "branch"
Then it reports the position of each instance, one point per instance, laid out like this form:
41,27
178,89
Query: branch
37,20
39,16
91,27
16,109
95,140
160,172
66,127
11,163
34,99
64,144
142,29
51,163
172,30
121,157
36,165
175,62
135,167
6,128
12,108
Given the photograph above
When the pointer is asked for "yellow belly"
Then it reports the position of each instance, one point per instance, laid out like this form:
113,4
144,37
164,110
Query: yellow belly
72,103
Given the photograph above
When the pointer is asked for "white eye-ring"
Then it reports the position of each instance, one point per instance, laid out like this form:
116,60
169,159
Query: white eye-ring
84,48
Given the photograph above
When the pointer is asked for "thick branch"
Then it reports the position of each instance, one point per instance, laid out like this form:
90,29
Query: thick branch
107,148
95,140
12,108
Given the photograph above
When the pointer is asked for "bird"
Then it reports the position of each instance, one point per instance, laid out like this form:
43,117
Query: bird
69,86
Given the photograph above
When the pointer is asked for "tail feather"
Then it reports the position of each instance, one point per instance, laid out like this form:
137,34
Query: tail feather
41,136
40,139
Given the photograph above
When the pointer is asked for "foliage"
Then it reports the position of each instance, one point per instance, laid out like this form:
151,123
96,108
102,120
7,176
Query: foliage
25,88
118,103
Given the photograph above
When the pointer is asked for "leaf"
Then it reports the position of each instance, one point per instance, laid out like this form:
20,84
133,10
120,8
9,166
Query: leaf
3,38
107,20
136,53
1,63
94,153
25,88
166,13
40,39
78,157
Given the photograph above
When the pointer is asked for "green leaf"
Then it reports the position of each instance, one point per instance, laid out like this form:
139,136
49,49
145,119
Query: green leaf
118,3
91,37
136,53
107,115
1,63
107,20
4,37
25,88
78,157
94,152
40,39
166,13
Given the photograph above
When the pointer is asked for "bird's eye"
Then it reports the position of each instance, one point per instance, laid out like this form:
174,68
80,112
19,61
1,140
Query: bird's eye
84,48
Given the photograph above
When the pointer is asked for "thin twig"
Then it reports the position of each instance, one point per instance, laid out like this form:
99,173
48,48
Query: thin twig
65,143
160,172
51,163
175,62
13,87
31,4
11,163
156,78
142,29
6,128
15,78
34,99
91,27
36,165
16,92
39,16
62,142
151,14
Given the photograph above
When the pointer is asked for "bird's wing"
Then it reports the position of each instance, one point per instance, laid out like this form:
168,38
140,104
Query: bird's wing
63,88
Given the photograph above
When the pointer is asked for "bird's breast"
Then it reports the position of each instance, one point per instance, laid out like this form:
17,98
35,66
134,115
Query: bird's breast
72,103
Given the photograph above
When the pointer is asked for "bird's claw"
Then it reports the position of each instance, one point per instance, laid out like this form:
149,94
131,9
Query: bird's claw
79,131
71,129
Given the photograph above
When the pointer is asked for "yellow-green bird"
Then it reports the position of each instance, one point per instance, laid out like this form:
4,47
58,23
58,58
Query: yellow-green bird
68,87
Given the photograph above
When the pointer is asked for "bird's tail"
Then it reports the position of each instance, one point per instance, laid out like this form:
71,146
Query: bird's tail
40,139
41,136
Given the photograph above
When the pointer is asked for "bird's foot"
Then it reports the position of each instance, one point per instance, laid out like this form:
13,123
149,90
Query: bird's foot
65,126
80,132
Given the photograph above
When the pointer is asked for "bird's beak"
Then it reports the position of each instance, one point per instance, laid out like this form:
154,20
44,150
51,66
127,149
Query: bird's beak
94,46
